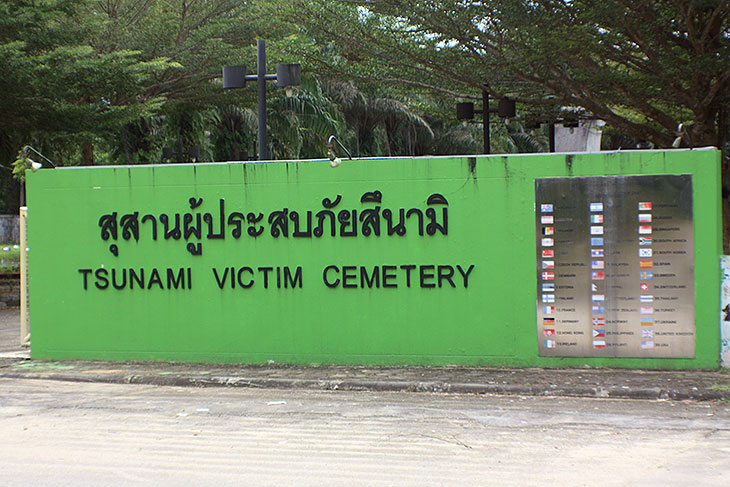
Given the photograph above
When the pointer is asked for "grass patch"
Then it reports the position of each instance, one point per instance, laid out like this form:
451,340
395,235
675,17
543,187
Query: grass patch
720,387
9,257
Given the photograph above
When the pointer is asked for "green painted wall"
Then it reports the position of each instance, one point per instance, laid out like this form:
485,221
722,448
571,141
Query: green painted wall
490,226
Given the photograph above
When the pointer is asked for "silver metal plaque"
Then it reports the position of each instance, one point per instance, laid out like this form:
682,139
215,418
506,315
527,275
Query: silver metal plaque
615,266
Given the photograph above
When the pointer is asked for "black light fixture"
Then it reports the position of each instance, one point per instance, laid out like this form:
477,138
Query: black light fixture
287,75
505,109
193,153
234,77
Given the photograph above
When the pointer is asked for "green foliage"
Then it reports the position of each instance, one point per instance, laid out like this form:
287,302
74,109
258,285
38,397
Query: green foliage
9,257
458,138
643,66
67,86
115,82
302,123
21,164
380,125
234,133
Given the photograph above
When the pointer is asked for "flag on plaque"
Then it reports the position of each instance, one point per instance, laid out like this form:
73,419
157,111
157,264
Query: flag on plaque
594,287
548,276
548,264
646,298
597,242
645,217
599,333
546,208
547,219
599,343
645,253
647,322
647,333
548,242
548,310
548,321
597,253
599,310
597,230
644,286
598,276
646,310
645,229
549,332
548,253
596,218
596,207
645,206
597,298
646,275
548,298
644,240
647,344
599,321
548,230
549,343
645,264
597,264
548,287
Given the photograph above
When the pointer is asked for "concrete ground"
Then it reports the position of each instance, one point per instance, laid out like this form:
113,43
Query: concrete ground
57,433
10,330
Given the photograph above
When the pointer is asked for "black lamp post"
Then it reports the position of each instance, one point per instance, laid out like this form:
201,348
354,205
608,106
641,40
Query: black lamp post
505,109
286,75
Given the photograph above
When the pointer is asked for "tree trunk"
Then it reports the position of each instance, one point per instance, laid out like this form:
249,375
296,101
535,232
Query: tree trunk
87,153
722,132
357,140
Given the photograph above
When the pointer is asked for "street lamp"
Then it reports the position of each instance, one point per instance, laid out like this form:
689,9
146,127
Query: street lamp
505,109
287,75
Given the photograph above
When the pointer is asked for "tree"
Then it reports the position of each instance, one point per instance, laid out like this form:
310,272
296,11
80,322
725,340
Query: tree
56,87
302,122
233,133
58,83
644,66
198,37
382,125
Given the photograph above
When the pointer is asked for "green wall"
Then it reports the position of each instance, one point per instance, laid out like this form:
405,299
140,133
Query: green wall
491,226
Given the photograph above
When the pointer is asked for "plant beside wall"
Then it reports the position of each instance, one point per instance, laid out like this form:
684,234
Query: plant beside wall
9,258
9,275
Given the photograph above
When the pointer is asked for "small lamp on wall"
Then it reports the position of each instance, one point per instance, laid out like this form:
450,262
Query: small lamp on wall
35,166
